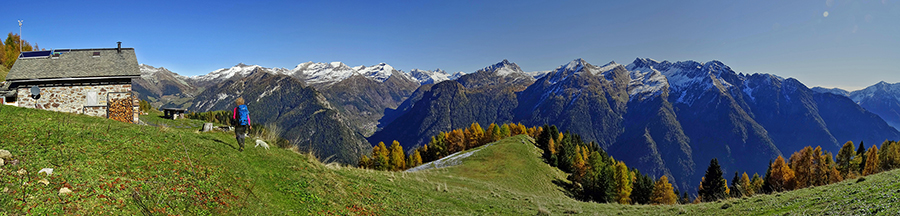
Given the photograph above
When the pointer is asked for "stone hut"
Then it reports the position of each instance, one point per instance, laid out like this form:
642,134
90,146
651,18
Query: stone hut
95,82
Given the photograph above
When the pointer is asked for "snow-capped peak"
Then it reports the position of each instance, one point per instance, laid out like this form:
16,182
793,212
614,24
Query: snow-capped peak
227,73
579,66
503,68
322,73
379,72
886,88
429,77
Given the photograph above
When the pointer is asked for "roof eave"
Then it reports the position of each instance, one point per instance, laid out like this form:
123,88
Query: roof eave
72,79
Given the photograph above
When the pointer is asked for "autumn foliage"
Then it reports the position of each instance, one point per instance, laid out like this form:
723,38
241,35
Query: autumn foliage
442,145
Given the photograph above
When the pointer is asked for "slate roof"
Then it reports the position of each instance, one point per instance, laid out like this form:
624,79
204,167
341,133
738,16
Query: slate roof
76,64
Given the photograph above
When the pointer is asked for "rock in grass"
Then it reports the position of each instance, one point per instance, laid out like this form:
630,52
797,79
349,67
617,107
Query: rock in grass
49,171
44,181
207,127
4,154
1,162
64,190
726,206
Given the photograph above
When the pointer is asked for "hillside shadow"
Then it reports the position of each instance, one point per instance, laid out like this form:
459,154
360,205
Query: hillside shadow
225,143
569,189
389,116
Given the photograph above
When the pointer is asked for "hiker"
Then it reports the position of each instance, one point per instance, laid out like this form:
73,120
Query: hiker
241,115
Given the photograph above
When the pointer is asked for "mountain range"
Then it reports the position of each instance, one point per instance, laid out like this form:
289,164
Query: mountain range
665,118
882,99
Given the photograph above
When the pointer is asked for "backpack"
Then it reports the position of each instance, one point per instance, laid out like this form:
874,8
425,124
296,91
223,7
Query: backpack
243,115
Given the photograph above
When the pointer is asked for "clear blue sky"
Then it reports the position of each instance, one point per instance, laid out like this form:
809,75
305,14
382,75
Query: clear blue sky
857,44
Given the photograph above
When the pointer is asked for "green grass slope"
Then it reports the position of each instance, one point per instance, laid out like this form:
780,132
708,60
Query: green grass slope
119,168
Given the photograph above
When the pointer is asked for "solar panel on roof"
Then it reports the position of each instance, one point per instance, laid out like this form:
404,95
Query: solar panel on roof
35,54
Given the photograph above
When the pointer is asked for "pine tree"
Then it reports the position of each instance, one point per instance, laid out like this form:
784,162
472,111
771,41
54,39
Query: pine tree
713,186
623,184
663,192
417,158
504,131
861,153
643,188
364,162
782,177
845,155
767,186
737,189
889,155
746,185
872,162
397,157
757,184
802,164
380,153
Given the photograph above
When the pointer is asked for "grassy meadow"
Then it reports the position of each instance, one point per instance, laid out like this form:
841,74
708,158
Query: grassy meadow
120,168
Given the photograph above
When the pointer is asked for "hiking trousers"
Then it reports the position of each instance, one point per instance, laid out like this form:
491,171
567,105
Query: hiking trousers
240,133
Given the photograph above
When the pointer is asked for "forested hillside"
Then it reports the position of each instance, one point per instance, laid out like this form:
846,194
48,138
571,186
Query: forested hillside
306,118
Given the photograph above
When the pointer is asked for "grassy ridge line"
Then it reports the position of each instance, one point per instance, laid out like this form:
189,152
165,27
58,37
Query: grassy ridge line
131,169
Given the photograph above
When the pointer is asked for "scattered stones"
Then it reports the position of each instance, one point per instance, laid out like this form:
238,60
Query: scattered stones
44,181
22,172
64,191
49,171
4,154
207,127
1,162
5,190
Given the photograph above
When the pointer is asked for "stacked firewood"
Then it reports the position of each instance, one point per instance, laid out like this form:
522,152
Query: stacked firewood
121,110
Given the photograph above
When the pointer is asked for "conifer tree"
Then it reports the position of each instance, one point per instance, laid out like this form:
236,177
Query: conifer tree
872,162
504,131
663,192
397,157
623,184
380,153
737,189
642,188
417,158
861,153
364,162
713,186
845,155
889,155
746,185
782,176
757,184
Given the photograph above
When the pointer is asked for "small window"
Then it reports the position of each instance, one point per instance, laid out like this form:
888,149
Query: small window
96,54
91,99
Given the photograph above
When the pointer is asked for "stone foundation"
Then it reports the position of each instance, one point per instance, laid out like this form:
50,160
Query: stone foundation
81,99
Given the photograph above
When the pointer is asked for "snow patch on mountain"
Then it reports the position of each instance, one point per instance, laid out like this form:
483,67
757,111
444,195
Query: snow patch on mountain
322,73
684,78
646,84
429,77
748,90
379,72
506,69
267,92
538,74
871,91
227,73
